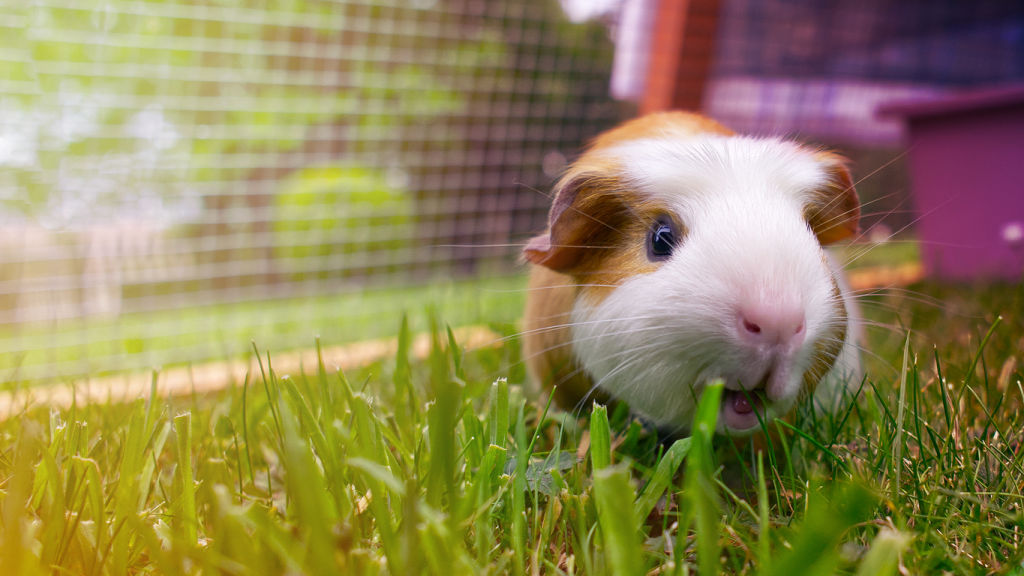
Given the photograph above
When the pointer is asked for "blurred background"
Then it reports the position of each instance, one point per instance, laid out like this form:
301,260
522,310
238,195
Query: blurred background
180,178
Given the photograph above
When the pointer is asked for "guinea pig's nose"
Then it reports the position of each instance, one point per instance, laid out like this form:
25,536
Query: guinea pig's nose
770,324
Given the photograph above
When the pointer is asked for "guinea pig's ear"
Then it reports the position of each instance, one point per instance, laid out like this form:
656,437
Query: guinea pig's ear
583,220
834,212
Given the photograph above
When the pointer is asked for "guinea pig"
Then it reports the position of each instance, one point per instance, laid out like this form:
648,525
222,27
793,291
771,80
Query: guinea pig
678,253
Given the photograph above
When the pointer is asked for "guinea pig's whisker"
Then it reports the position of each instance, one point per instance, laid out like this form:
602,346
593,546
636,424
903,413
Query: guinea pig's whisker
537,353
618,369
533,189
520,245
654,344
874,355
553,328
526,357
894,159
881,214
589,322
582,403
885,326
868,298
509,245
871,302
895,233
863,178
552,195
598,337
584,246
881,198
844,214
544,288
890,238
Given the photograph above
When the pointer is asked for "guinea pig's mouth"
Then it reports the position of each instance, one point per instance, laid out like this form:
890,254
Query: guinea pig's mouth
742,410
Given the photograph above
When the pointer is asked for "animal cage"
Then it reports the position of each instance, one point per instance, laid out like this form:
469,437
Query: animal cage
181,178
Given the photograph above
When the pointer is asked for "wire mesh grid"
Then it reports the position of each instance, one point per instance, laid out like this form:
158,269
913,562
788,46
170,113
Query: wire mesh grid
181,177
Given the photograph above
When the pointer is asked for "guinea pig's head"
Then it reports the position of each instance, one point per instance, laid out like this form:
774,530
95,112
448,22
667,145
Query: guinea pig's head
700,258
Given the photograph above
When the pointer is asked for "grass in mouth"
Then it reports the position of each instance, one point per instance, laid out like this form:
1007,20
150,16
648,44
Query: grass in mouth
446,467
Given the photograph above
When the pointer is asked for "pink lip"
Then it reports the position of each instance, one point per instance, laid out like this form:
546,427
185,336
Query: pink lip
740,411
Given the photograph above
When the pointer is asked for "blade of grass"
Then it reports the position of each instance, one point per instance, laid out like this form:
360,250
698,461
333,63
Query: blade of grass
16,547
456,354
326,396
498,419
764,545
186,500
969,375
402,378
620,527
128,491
662,477
600,438
485,484
271,396
702,493
897,456
245,430
941,382
442,418
519,489
816,443
307,489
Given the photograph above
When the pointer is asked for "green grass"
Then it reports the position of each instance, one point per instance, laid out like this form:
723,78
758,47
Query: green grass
166,338
446,467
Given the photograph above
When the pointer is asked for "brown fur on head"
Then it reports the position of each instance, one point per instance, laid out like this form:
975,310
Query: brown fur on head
595,213
834,214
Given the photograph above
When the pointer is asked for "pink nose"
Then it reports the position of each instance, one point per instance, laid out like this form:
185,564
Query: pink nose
771,324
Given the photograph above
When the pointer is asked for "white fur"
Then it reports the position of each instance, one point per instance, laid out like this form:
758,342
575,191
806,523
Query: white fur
741,200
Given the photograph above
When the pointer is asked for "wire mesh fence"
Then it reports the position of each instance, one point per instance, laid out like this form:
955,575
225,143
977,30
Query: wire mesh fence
162,160
178,178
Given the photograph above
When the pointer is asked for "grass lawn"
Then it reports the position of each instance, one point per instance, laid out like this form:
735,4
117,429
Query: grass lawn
446,466
74,348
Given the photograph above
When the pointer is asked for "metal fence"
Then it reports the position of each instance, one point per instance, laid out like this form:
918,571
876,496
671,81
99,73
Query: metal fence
178,177
159,160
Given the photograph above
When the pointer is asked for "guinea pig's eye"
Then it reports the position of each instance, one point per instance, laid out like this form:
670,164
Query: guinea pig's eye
661,240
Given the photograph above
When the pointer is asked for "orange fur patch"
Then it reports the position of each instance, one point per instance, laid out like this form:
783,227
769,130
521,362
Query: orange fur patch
628,259
598,226
547,338
834,213
828,347
660,125
599,238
